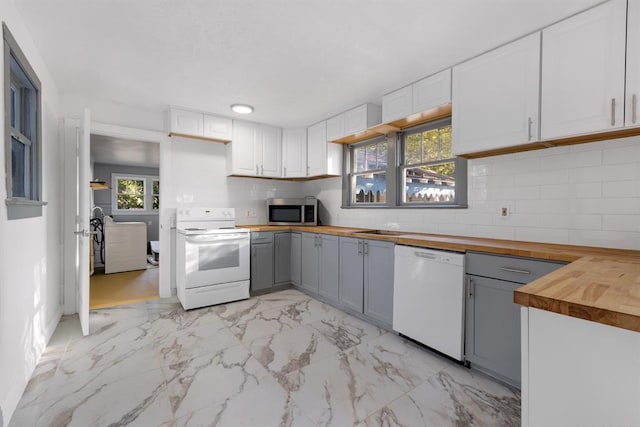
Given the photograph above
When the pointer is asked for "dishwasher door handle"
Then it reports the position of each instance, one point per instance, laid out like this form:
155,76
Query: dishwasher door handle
425,255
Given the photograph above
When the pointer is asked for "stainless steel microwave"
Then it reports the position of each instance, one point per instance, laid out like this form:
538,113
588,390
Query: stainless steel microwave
303,211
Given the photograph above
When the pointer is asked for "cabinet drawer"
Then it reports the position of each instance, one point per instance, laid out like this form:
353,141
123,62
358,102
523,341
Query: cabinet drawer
518,270
262,237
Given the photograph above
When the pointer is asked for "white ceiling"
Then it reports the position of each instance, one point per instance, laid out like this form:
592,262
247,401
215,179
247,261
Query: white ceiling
116,151
297,62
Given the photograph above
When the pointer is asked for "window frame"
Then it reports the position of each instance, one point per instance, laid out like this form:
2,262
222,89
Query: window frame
147,195
353,172
395,169
29,204
460,164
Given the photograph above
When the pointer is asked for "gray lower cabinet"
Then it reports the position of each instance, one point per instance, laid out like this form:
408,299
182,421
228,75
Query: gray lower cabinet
296,258
492,336
261,260
282,258
366,277
320,260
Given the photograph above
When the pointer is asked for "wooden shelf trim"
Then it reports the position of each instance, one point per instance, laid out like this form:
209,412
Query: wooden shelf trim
202,138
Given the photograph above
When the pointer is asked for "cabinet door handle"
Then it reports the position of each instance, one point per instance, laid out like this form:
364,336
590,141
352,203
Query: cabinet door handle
365,250
257,173
470,288
284,171
634,108
613,111
359,247
261,169
529,126
515,270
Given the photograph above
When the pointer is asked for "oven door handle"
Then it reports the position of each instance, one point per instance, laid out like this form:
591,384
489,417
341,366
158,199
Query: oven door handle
212,238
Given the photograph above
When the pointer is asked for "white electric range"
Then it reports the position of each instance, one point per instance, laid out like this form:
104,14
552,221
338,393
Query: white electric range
212,257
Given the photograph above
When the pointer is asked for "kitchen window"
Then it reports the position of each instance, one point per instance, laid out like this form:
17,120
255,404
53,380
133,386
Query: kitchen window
429,173
368,178
413,168
22,132
133,194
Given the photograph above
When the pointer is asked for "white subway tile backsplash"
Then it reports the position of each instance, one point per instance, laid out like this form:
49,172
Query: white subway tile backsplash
586,194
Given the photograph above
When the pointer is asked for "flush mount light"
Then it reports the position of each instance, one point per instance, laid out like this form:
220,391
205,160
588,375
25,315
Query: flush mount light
242,108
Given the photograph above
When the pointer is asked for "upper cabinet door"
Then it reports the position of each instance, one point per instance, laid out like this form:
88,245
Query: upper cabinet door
432,91
270,149
583,72
186,122
496,98
294,153
317,149
335,127
632,92
397,105
243,150
219,128
360,118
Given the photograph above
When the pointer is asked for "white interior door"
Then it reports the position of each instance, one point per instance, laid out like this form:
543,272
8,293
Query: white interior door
82,220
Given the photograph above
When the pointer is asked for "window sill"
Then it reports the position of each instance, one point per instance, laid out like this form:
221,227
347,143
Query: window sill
23,208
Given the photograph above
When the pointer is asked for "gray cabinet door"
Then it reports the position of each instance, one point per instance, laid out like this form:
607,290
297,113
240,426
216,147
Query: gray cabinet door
282,258
378,280
351,273
493,327
296,258
329,278
261,266
309,269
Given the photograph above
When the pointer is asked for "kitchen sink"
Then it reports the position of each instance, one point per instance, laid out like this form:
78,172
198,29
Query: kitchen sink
379,232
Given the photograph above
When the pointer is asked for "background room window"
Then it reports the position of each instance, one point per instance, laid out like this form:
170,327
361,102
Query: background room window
430,174
368,177
135,194
22,129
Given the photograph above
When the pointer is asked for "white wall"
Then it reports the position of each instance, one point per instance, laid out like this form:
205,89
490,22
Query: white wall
584,195
30,264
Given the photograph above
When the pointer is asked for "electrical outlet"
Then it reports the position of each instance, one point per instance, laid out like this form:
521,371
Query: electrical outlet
250,213
504,212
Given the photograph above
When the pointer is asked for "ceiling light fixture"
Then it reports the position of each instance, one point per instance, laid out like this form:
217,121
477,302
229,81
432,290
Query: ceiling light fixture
242,108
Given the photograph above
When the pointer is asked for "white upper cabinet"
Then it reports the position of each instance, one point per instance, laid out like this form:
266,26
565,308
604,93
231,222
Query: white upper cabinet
215,127
496,98
632,114
255,150
294,153
242,153
270,150
185,122
323,158
360,118
431,92
199,125
397,104
423,95
583,72
335,127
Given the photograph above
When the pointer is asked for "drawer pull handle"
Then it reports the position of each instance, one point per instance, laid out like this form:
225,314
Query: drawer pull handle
425,255
514,270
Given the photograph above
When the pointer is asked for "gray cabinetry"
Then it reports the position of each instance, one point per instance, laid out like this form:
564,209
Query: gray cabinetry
378,280
309,261
282,258
320,260
492,338
261,261
366,278
351,274
296,258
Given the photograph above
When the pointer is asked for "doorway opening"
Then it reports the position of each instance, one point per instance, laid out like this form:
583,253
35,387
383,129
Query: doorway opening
125,202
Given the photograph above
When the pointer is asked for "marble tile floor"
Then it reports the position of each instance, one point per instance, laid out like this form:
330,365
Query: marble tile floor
281,359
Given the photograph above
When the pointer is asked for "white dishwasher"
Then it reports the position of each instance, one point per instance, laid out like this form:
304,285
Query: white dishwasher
428,298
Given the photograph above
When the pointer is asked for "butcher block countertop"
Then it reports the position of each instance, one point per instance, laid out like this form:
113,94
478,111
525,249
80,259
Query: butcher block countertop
599,284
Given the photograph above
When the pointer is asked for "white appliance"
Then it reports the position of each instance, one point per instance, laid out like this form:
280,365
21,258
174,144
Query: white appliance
212,257
428,298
